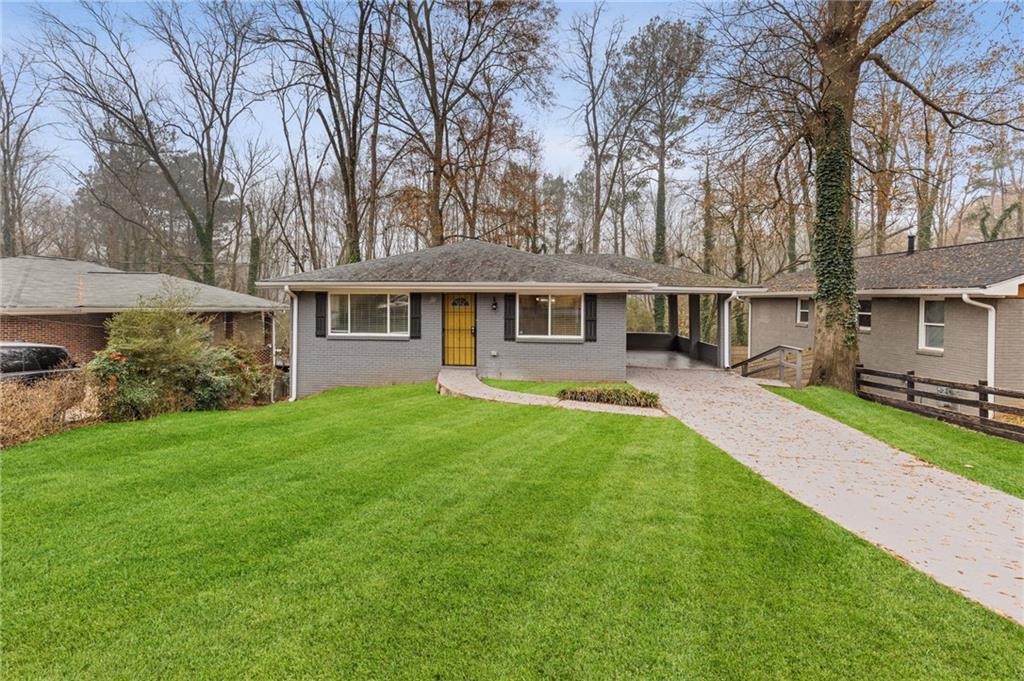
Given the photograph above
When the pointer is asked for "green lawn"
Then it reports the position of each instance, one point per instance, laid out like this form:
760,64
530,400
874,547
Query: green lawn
546,387
383,533
991,460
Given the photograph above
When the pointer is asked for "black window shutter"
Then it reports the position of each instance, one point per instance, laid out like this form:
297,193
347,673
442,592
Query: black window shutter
321,315
510,316
415,315
590,317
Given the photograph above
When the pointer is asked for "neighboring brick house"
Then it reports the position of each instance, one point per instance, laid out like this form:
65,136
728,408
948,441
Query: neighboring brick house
954,313
499,311
66,302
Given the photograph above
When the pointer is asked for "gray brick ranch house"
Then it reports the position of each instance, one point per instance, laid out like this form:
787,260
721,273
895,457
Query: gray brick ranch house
60,301
506,312
954,313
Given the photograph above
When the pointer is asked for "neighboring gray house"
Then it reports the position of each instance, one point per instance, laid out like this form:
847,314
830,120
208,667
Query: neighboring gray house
66,302
954,313
506,312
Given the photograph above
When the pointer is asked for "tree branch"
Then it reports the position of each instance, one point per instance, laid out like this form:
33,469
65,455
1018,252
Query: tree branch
947,114
887,28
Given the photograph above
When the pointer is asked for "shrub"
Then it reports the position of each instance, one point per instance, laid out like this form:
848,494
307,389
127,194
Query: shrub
625,397
31,410
160,358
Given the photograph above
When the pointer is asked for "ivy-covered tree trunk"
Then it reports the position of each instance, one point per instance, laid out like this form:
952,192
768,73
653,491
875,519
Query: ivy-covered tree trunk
835,314
660,254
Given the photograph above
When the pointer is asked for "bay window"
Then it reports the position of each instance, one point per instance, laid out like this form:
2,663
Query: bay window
550,316
371,314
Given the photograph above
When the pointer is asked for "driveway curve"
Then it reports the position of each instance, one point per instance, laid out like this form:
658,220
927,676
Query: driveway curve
961,533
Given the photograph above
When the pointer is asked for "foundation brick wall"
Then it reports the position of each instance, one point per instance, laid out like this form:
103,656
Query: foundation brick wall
81,334
85,334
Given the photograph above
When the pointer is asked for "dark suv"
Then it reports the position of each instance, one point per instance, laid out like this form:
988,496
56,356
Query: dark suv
33,361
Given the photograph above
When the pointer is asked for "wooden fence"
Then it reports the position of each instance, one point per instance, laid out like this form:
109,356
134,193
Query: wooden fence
908,388
739,355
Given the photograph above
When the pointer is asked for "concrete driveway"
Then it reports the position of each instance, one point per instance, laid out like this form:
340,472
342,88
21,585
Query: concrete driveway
963,534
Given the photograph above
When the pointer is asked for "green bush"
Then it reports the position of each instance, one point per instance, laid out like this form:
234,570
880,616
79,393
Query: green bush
160,358
625,397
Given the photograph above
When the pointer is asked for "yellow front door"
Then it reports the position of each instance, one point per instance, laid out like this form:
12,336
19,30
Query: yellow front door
460,329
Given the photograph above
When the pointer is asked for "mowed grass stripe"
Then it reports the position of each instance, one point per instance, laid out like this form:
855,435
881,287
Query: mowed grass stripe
394,533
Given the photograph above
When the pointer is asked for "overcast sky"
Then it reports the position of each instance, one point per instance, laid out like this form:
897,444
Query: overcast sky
562,151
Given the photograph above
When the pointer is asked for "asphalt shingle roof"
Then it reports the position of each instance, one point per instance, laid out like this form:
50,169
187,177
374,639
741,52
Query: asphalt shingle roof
965,266
663,275
38,283
464,262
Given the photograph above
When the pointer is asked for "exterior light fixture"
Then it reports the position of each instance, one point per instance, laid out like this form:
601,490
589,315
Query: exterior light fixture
494,303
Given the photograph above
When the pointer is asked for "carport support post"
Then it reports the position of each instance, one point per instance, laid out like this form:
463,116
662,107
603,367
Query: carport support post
693,301
724,342
673,319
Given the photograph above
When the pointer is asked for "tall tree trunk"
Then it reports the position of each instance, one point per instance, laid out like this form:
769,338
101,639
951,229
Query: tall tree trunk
205,238
351,214
835,314
739,251
436,176
255,255
708,227
660,254
595,225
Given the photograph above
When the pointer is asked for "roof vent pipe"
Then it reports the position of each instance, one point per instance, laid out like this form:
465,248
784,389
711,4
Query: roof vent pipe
911,238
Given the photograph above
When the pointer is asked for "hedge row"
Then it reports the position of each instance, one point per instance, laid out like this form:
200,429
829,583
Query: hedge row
625,397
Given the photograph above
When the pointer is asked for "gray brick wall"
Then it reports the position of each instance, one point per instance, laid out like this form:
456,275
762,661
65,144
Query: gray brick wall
1010,343
324,363
891,345
773,322
604,360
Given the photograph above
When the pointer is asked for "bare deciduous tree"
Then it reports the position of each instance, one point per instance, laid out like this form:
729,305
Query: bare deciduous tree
98,72
22,162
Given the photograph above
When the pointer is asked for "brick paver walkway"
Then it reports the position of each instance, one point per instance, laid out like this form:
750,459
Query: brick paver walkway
963,534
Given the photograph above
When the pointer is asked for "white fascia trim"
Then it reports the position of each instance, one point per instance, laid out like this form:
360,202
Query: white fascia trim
1009,287
742,293
469,287
899,293
42,311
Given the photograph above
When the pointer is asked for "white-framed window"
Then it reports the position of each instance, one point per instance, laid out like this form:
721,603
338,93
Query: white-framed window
549,315
803,311
932,329
864,315
369,314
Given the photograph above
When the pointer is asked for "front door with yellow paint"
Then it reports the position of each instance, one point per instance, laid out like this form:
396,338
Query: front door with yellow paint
460,329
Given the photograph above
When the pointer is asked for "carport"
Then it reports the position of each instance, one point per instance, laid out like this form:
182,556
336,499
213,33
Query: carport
676,284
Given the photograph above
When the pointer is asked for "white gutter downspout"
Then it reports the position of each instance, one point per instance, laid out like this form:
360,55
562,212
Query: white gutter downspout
292,344
990,355
726,350
273,354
